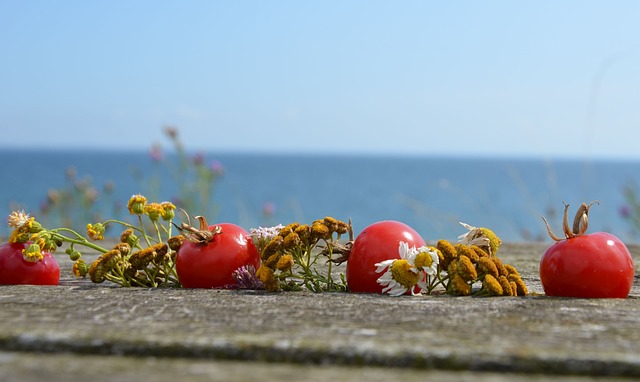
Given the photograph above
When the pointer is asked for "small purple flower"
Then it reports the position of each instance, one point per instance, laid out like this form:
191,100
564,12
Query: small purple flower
216,167
198,159
156,153
246,278
268,208
625,212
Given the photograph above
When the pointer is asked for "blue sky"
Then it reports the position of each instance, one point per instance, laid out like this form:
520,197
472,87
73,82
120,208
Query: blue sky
498,78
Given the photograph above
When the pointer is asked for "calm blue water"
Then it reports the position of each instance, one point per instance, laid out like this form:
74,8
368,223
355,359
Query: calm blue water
432,194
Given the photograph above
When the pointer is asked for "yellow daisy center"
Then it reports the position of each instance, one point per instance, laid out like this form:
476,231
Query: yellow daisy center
401,272
424,260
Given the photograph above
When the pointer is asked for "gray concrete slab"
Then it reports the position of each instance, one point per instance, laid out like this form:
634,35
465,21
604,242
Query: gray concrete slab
114,328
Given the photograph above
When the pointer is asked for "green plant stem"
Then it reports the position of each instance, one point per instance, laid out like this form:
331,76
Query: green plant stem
329,278
434,281
155,225
115,279
144,232
151,275
80,240
123,223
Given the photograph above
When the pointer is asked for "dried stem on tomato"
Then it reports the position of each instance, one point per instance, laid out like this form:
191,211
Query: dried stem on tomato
201,235
580,222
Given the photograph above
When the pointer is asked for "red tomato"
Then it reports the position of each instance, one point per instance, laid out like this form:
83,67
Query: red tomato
596,265
211,264
376,243
14,269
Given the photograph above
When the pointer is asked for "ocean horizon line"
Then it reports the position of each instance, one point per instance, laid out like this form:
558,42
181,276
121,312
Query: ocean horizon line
326,154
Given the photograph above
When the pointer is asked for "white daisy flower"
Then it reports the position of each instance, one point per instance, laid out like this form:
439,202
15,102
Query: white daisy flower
400,275
391,286
427,260
408,254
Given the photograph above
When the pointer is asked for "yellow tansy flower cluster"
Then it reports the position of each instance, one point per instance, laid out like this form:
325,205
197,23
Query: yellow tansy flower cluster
27,230
130,263
139,259
95,231
23,226
468,264
284,248
138,205
149,267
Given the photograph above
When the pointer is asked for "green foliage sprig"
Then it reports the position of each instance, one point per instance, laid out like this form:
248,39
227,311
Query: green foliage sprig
291,254
141,257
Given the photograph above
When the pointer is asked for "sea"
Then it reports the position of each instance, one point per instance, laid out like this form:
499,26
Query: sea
432,194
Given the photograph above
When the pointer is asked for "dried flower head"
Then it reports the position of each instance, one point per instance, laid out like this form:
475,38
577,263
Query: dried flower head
268,278
467,251
501,269
448,251
142,258
291,241
272,260
487,267
331,223
320,231
506,287
521,287
458,286
491,286
511,269
272,247
304,233
288,229
123,248
466,269
482,237
285,263
127,236
175,242
479,251
343,228
18,218
103,265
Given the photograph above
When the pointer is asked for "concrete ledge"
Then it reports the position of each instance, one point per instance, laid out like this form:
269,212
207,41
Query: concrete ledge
526,335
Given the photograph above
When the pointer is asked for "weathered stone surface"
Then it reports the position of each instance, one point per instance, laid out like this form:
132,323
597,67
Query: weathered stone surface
37,367
446,336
